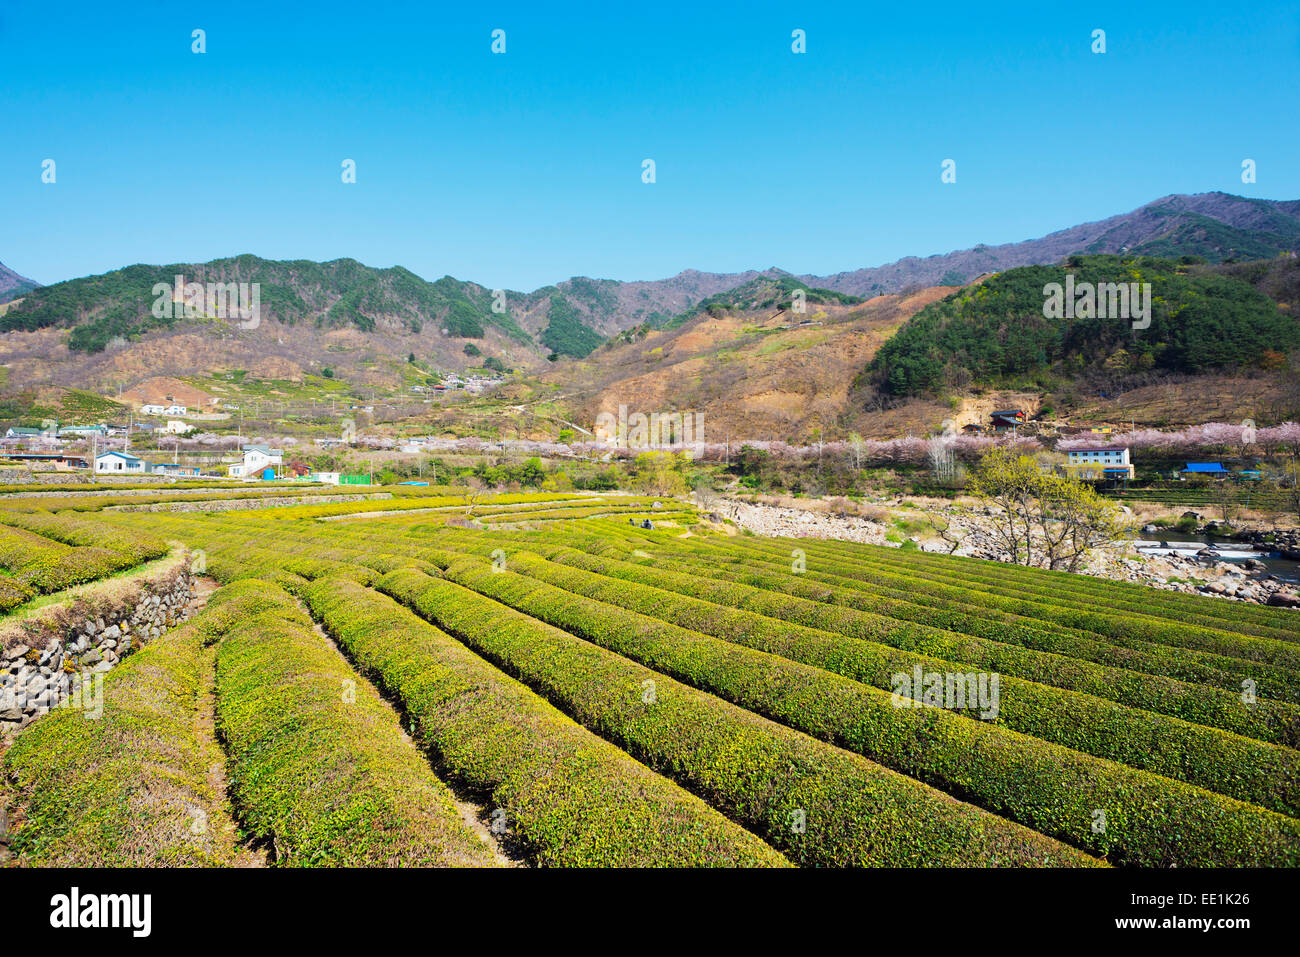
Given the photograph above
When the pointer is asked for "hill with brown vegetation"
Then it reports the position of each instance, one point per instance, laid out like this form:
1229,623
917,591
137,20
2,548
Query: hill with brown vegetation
758,374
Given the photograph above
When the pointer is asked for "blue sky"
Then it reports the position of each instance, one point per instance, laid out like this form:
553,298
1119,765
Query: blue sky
521,169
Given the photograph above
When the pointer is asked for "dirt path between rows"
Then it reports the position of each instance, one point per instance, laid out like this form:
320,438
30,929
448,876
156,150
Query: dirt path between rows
229,848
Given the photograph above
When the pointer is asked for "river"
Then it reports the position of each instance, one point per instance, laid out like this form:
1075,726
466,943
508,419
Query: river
1230,551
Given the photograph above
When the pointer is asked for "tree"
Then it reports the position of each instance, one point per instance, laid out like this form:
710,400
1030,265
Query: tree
657,474
951,537
1223,494
1043,517
942,461
1009,481
859,447
1072,520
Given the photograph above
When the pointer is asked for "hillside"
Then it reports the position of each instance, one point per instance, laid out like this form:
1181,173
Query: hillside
773,290
996,334
750,366
13,285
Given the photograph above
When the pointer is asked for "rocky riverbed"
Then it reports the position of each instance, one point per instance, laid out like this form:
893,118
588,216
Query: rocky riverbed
971,529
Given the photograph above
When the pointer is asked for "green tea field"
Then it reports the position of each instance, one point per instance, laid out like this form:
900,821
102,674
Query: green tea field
426,678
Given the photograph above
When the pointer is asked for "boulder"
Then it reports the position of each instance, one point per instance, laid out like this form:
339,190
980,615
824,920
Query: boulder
1284,599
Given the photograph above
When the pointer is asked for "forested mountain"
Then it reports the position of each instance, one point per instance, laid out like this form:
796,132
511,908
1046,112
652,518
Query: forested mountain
995,333
119,304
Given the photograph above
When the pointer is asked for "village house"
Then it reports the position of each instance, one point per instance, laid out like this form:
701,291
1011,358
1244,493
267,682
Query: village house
173,468
259,462
122,463
19,432
1006,420
1111,461
151,410
58,460
176,427
83,431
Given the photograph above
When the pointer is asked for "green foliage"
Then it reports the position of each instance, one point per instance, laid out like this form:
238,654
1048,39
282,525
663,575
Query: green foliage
996,332
878,650
123,789
855,812
1194,687
317,765
769,688
565,333
575,800
762,293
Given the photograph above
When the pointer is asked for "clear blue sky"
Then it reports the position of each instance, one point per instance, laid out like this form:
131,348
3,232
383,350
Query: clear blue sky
521,169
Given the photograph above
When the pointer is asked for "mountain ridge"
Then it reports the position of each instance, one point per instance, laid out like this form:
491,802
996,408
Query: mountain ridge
13,285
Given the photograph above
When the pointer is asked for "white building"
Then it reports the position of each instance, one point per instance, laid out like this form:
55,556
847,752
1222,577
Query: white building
121,463
151,410
257,459
175,410
1108,462
177,427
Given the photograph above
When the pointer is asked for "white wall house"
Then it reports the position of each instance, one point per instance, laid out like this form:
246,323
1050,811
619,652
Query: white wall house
177,427
256,459
175,410
1101,462
151,410
122,463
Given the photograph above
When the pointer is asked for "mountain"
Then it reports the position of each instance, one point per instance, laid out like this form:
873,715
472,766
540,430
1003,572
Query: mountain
1215,226
13,285
344,324
121,304
570,318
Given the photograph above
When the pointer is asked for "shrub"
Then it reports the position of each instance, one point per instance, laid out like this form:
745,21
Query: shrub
574,799
854,812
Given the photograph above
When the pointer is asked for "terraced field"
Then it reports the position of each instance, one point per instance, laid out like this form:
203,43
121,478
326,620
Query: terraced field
586,680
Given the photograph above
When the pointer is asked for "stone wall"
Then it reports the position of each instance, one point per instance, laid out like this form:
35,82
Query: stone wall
51,657
238,504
